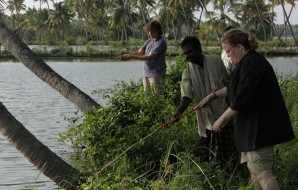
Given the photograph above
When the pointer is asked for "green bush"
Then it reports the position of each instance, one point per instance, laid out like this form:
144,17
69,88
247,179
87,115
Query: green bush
120,147
62,51
40,52
131,115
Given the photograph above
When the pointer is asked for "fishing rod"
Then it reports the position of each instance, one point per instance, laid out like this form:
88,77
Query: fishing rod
142,139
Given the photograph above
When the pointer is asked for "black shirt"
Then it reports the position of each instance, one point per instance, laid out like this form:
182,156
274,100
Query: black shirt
254,92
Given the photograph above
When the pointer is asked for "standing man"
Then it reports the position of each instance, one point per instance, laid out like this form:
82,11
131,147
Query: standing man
204,75
153,52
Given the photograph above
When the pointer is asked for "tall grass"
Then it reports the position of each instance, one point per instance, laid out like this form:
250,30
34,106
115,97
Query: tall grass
169,159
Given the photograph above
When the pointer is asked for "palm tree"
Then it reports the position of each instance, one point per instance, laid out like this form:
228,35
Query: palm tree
77,7
84,8
2,2
97,22
16,6
186,9
204,31
143,6
167,15
42,157
254,17
37,153
35,64
261,18
133,16
221,17
59,20
119,17
2,15
43,1
35,20
201,5
275,3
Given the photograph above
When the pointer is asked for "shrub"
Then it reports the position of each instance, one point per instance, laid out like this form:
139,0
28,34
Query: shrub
120,147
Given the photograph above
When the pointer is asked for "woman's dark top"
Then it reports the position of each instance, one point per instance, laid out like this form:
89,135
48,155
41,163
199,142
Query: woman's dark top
254,92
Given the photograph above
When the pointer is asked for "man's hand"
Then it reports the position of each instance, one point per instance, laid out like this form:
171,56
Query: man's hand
123,57
176,117
185,101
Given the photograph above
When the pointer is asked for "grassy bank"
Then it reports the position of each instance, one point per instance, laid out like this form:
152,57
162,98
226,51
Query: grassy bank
118,147
272,48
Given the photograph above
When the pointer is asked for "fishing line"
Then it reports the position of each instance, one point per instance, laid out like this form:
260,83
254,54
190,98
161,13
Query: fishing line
142,139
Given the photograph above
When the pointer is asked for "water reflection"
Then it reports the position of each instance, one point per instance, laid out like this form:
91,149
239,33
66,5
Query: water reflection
284,65
38,107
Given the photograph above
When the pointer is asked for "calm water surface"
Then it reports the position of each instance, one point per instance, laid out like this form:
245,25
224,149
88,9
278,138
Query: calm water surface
40,108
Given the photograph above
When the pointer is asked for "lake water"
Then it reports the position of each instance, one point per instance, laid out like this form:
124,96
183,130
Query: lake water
40,108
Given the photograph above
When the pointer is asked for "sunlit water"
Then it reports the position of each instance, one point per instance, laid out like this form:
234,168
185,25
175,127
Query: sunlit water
40,108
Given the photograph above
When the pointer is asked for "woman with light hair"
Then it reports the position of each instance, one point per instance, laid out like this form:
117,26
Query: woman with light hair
257,107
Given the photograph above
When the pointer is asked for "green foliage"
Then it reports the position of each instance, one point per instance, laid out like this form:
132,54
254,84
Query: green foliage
40,52
62,51
286,165
289,87
213,51
190,173
173,43
131,115
274,47
81,41
120,147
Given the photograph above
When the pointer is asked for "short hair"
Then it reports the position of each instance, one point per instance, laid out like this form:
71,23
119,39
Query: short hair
193,41
154,25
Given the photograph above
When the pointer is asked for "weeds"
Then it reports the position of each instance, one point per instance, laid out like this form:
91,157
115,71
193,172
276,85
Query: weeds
169,159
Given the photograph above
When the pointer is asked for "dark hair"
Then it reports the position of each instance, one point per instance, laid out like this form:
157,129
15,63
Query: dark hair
229,28
193,41
236,36
154,25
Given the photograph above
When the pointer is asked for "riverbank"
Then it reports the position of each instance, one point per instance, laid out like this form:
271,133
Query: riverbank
112,51
41,109
169,159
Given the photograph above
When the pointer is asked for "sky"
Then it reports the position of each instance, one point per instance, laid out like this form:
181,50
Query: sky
293,18
278,10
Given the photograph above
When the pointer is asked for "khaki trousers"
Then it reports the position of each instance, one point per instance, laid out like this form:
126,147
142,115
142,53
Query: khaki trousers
154,84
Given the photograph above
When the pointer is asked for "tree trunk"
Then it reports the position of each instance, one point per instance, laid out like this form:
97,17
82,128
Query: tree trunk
187,22
142,9
274,28
173,24
287,21
36,65
261,19
37,153
132,25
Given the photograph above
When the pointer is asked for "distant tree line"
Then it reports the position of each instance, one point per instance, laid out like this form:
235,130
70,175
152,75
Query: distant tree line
82,21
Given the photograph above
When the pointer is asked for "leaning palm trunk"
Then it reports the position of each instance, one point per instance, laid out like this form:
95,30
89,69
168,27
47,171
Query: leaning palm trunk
37,153
35,64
